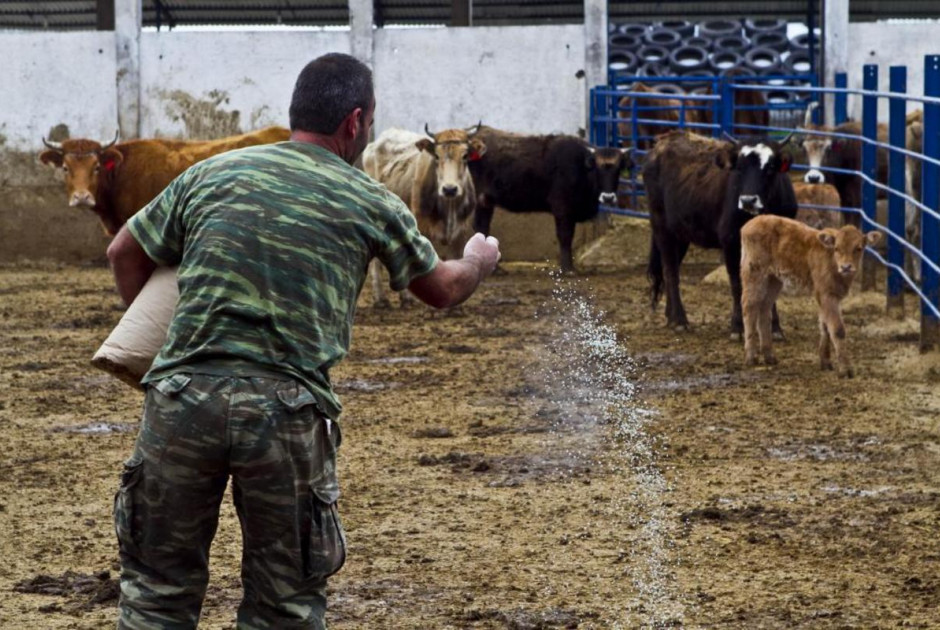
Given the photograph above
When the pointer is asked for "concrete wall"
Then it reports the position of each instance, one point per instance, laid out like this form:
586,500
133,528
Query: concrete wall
890,45
211,84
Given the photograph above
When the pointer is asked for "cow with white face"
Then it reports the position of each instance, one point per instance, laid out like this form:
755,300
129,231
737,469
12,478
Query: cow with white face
429,173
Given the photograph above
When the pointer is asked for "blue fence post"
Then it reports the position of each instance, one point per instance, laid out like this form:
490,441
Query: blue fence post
869,163
727,106
716,108
896,162
841,110
929,225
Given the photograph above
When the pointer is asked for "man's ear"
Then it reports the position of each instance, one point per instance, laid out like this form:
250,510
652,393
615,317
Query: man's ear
477,150
827,239
52,157
353,122
426,144
110,159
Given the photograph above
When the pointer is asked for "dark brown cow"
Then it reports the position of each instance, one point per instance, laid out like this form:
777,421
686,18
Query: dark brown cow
701,191
775,250
647,131
118,179
559,174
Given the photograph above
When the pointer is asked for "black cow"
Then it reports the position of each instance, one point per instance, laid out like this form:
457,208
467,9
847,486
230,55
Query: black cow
702,191
558,174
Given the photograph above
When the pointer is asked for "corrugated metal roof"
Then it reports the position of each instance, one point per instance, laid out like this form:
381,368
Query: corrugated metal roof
81,14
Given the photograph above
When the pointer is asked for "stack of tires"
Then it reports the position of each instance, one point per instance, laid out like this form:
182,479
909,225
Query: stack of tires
753,47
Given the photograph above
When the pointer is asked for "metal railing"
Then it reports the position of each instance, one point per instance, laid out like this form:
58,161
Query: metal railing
619,117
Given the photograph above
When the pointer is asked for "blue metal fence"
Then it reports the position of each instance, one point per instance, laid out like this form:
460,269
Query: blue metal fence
618,122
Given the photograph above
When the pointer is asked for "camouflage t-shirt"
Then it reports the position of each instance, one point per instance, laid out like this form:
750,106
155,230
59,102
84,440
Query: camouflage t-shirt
273,243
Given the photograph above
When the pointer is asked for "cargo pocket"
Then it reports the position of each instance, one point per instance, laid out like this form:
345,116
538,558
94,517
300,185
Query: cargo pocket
323,542
125,504
171,386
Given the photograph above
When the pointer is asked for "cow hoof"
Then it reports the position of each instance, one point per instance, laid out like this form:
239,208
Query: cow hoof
383,304
736,336
680,327
770,360
779,336
846,373
825,365
750,361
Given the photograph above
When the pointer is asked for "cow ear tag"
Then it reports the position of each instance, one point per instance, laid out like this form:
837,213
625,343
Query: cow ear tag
109,164
474,156
784,165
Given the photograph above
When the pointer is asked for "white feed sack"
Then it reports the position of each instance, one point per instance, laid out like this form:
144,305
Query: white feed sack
133,344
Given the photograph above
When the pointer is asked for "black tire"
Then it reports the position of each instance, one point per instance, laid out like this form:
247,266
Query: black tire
701,42
765,26
649,69
667,88
801,42
719,28
637,29
622,62
774,72
774,41
741,71
722,60
797,62
688,60
685,28
664,37
653,54
622,41
734,43
762,60
779,97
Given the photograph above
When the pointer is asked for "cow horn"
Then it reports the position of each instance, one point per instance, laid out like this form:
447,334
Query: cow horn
787,138
111,144
428,131
727,136
808,118
55,146
472,131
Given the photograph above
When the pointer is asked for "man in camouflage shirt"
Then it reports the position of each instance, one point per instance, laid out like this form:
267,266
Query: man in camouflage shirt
273,243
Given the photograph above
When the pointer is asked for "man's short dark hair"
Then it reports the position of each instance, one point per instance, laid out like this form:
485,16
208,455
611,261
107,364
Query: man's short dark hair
327,90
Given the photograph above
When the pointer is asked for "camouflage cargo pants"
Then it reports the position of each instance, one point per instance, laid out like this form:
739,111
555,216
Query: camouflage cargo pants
280,451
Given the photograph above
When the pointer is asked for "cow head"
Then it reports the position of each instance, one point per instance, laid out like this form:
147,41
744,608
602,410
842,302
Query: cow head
605,165
452,150
758,164
815,146
847,245
83,162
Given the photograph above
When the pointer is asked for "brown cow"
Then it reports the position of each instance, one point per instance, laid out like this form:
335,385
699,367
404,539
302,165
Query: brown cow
118,179
775,249
429,173
817,195
647,131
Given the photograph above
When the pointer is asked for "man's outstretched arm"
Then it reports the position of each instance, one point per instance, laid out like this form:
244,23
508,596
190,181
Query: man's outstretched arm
453,281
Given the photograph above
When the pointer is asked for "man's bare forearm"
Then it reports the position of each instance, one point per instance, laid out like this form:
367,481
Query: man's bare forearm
130,265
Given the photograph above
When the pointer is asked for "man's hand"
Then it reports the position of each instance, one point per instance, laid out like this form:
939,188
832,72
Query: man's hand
453,281
486,250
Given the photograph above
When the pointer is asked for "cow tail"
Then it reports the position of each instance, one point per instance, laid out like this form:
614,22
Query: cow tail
654,271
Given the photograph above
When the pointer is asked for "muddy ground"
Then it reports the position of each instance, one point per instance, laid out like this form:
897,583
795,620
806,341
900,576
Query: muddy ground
548,456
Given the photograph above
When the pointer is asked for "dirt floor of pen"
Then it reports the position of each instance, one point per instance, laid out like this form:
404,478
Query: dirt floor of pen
499,470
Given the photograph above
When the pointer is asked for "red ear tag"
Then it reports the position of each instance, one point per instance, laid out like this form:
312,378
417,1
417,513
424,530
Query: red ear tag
784,166
109,165
474,156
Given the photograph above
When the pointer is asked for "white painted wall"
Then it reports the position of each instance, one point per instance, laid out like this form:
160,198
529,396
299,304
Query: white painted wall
516,78
252,73
56,78
889,45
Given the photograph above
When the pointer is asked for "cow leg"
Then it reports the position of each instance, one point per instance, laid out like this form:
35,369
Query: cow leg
733,265
671,253
768,313
564,230
483,216
752,298
825,361
379,297
775,322
831,313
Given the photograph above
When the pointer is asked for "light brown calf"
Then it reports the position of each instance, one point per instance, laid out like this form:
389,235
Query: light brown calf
775,249
817,195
